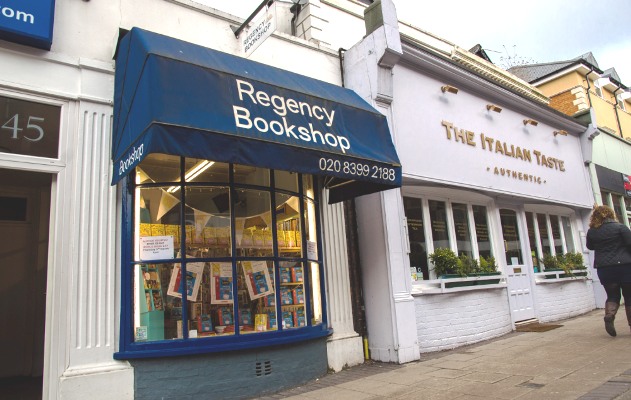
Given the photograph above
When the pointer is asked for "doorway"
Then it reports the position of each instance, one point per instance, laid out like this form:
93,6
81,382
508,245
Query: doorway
24,227
517,271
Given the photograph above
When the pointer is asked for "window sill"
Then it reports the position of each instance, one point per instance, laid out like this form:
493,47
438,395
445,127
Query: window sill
184,347
561,276
453,285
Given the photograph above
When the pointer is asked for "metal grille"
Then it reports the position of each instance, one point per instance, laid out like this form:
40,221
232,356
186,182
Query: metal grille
263,368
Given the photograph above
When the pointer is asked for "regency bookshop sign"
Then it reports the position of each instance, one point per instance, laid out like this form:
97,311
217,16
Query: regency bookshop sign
28,22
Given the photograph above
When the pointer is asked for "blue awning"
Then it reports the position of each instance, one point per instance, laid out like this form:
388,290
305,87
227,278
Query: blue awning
177,98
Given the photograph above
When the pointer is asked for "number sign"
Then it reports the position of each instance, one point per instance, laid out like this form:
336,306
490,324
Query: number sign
29,128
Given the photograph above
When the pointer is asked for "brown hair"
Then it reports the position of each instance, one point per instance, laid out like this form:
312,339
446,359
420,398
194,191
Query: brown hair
600,214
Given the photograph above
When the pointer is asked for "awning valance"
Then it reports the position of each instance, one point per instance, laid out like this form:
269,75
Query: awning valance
178,98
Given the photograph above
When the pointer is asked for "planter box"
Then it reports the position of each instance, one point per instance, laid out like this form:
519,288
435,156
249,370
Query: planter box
479,282
487,281
564,275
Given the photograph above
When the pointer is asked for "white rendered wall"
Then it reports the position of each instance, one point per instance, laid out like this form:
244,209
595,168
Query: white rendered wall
82,285
447,321
557,301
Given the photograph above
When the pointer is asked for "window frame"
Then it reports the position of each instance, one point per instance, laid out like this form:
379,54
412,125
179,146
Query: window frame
451,228
131,349
560,213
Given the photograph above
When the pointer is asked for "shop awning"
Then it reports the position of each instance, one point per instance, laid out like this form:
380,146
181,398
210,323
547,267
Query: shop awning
178,98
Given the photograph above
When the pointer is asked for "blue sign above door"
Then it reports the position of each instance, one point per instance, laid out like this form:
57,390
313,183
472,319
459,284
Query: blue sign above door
28,22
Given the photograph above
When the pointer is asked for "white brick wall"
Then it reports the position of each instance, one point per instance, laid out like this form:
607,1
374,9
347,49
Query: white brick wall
447,321
556,301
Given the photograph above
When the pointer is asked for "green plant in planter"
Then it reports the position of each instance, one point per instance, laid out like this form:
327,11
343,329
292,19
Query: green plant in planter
574,261
550,262
487,265
445,262
467,265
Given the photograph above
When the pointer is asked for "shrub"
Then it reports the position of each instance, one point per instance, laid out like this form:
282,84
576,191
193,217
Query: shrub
445,262
488,265
467,265
574,261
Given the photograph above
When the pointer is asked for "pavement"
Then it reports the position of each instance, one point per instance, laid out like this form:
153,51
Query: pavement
577,360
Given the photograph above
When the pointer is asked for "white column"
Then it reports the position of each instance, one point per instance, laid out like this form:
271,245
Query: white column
345,346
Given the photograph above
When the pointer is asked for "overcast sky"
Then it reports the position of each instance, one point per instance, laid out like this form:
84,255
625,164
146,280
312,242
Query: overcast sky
542,31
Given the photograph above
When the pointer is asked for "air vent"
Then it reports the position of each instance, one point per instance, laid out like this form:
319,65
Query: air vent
263,368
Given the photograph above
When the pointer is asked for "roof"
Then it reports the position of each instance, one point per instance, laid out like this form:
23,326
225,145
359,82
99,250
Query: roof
534,72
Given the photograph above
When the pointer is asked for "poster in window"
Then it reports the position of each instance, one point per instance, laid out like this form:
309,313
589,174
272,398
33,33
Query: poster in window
257,279
221,283
193,280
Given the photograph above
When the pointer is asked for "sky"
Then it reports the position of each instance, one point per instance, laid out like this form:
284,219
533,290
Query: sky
542,31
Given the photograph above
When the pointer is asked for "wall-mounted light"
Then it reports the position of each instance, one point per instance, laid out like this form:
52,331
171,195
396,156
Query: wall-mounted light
560,132
449,88
493,107
532,122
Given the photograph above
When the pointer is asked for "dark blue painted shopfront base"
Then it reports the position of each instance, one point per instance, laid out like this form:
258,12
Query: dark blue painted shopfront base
234,375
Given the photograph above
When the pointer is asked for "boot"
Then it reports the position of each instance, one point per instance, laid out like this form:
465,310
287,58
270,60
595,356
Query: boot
610,315
628,310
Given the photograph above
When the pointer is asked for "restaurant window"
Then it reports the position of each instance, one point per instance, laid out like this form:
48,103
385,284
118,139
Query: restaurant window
548,234
460,227
222,253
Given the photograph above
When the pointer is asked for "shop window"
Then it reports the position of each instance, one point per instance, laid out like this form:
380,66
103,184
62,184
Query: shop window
438,224
467,224
416,231
548,234
544,237
567,232
617,205
223,255
463,232
510,232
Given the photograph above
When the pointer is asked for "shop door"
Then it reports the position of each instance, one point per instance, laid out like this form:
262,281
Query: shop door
518,277
24,222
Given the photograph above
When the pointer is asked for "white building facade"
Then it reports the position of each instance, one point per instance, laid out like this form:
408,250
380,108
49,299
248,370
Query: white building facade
489,170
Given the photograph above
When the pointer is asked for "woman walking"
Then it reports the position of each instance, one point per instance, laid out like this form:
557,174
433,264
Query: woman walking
611,242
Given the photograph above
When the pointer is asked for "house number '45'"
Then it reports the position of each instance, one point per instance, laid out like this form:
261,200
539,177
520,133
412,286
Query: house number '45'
34,132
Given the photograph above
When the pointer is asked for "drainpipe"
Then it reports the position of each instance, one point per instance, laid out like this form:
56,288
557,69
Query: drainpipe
295,9
589,97
340,54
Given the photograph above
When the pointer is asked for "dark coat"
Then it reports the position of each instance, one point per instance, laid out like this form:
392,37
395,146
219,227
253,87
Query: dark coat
611,243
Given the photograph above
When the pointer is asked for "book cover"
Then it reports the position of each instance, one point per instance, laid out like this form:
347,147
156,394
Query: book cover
193,278
271,320
145,230
257,279
285,275
224,316
204,323
298,295
157,230
301,319
288,319
174,231
221,283
286,296
269,301
245,317
296,274
260,322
